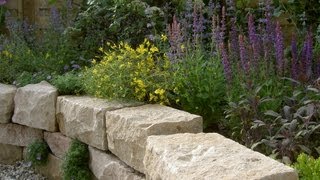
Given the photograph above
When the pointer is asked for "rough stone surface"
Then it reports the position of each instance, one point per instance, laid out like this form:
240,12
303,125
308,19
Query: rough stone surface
18,135
83,118
9,154
7,93
35,106
51,170
208,156
128,129
58,143
106,166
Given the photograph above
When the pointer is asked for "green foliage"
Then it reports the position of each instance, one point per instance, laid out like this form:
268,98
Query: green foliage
69,83
75,164
200,85
37,153
107,21
127,73
307,167
283,132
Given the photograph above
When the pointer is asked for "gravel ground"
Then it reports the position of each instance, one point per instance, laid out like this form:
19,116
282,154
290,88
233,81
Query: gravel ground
19,171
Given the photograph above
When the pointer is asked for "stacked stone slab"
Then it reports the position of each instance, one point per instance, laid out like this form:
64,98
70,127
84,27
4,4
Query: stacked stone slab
208,156
106,166
83,118
35,106
128,129
7,93
145,138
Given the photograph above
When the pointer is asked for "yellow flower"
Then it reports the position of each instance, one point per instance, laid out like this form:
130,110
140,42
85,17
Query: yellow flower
160,91
154,49
7,53
164,38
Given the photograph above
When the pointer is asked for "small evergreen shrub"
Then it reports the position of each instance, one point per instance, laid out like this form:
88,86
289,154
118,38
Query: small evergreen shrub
68,84
75,164
308,167
37,153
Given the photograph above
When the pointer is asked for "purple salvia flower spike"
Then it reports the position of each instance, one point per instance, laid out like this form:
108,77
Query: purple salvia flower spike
279,48
294,62
234,39
309,55
253,40
226,63
243,55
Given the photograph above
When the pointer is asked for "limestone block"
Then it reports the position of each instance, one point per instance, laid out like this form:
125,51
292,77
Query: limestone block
9,154
7,93
83,118
58,143
208,156
106,166
35,106
18,135
51,170
128,129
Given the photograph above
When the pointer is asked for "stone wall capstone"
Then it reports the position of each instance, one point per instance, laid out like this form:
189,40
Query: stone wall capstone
7,93
128,129
35,106
208,156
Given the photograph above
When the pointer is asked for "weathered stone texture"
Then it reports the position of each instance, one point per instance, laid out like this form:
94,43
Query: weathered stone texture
9,154
83,118
35,106
106,166
208,156
128,129
7,94
58,143
51,170
18,135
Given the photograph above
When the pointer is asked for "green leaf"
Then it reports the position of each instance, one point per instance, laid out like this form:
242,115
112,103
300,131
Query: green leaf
272,113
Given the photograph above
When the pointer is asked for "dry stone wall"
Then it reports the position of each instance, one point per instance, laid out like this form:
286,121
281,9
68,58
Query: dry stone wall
127,141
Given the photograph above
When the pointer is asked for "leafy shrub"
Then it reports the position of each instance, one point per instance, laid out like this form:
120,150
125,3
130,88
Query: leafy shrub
107,21
284,132
75,164
128,73
200,86
307,167
37,153
69,83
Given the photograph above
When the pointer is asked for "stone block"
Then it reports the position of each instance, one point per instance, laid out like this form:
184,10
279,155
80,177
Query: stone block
9,154
19,135
35,106
128,129
106,166
7,93
83,118
51,170
209,156
58,143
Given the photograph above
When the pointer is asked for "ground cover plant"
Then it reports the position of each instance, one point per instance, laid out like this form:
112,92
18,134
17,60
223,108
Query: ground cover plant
37,153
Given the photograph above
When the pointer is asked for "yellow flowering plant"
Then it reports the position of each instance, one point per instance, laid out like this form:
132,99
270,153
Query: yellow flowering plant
124,72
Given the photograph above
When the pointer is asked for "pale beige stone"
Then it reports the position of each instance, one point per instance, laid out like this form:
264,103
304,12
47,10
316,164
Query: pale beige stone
35,106
128,129
51,170
106,166
9,154
58,143
7,93
83,118
209,156
18,135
